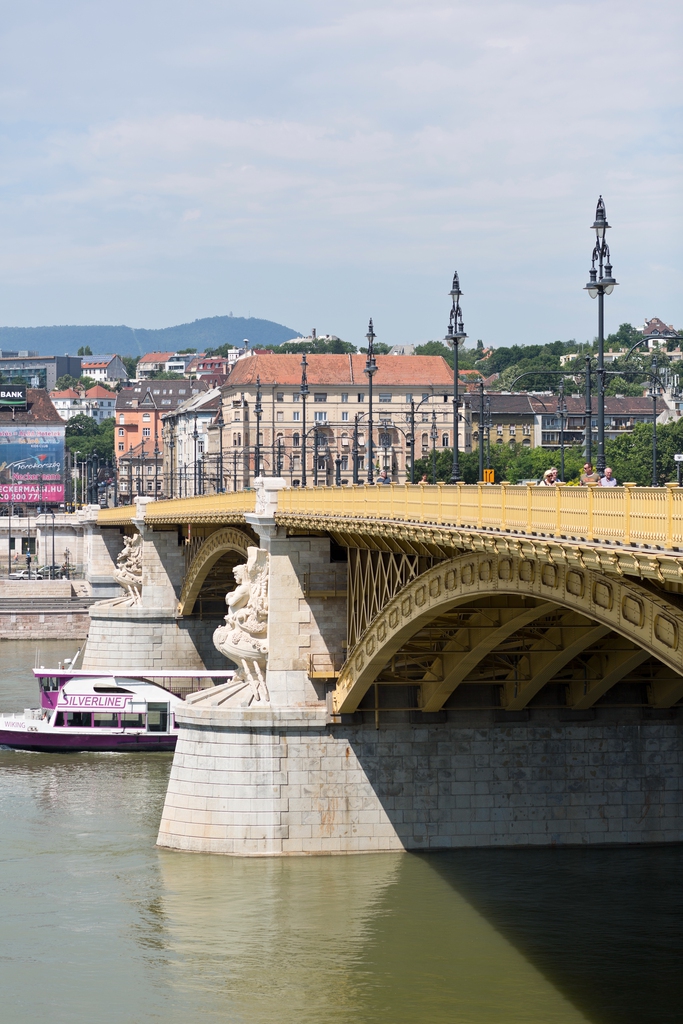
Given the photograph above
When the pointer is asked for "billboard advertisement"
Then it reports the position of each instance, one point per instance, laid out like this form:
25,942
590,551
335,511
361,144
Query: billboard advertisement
31,464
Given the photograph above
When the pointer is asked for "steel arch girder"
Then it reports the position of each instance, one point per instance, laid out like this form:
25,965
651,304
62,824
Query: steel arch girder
651,621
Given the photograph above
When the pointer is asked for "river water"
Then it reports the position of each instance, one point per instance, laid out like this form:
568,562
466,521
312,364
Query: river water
98,926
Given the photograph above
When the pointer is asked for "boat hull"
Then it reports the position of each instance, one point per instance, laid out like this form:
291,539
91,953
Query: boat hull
72,741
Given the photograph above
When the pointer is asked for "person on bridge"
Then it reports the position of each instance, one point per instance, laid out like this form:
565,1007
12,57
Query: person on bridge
384,477
608,480
589,475
549,478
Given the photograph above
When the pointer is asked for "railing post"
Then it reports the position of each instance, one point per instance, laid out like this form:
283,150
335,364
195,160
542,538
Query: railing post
503,504
627,513
670,487
558,510
480,499
591,525
458,508
422,501
440,504
529,510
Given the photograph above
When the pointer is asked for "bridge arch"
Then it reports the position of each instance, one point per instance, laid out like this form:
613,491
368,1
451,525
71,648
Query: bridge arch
591,606
221,542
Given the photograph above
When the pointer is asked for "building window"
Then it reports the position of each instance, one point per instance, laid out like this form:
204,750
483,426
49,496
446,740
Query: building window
145,417
296,415
296,440
321,417
296,397
280,396
409,398
320,396
425,442
526,443
499,428
345,440
121,447
444,440
146,431
512,429
344,463
361,396
385,396
322,462
526,428
475,436
121,418
279,416
122,433
345,397
237,416
499,440
345,417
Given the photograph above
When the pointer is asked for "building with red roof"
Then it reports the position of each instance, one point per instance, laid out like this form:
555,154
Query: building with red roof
336,414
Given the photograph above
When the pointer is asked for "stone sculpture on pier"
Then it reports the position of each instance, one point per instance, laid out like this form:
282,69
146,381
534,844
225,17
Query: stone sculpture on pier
128,572
243,639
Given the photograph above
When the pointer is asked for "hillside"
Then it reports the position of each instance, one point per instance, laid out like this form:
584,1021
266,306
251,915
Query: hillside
134,341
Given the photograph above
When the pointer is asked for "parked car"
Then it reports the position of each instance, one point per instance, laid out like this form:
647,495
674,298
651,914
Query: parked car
23,574
51,572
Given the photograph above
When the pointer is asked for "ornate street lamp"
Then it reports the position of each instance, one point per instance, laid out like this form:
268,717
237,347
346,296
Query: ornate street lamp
304,392
455,336
601,283
370,371
258,410
221,424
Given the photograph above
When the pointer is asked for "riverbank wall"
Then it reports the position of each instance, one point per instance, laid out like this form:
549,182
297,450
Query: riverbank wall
44,610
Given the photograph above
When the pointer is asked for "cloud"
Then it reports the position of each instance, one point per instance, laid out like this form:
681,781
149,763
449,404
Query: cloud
338,140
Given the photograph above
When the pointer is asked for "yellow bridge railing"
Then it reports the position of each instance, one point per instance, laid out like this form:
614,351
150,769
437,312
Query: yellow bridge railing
651,516
205,508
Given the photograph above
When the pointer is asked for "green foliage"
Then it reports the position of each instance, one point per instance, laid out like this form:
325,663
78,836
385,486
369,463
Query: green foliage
625,337
131,365
631,456
86,436
380,348
621,386
186,351
220,350
80,383
164,375
84,350
510,463
317,347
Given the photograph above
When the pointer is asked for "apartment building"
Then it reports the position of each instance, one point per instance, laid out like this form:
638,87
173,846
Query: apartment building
268,416
97,403
106,368
138,435
188,468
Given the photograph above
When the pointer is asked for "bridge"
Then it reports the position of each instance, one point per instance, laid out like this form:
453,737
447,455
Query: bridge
417,621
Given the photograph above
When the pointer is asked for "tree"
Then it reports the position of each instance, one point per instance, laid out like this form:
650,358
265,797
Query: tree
317,346
131,365
511,463
165,375
84,350
220,350
186,351
380,348
86,436
65,382
621,386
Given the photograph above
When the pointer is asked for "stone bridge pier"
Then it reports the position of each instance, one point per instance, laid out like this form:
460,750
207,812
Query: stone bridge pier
145,633
295,757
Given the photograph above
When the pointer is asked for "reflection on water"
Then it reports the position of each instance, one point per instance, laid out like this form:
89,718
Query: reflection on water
100,926
18,685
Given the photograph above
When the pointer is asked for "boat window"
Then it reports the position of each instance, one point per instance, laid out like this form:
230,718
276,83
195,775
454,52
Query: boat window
47,683
110,689
59,720
79,718
105,720
157,717
132,721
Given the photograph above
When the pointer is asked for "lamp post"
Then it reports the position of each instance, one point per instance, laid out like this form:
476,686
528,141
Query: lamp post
171,456
156,465
370,371
221,424
258,409
588,425
455,336
601,283
195,436
304,392
315,456
354,449
481,430
561,412
130,474
434,435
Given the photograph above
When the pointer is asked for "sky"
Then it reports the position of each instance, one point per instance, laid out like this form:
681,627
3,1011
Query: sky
319,163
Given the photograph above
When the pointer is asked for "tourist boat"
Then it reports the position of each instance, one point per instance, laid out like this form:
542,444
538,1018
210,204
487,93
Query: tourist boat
103,711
